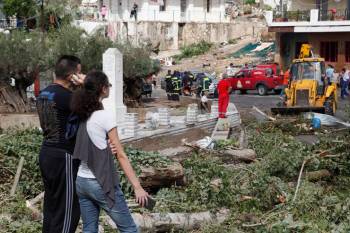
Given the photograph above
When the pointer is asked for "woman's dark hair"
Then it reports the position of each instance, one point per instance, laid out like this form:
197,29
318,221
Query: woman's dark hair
87,99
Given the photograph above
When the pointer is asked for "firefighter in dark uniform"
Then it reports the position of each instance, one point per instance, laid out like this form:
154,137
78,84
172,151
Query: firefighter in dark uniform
205,84
168,84
176,83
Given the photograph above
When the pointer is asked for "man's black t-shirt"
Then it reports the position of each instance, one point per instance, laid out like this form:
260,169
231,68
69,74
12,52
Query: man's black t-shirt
53,105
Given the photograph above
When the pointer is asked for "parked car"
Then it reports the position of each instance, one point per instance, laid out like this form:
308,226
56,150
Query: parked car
263,78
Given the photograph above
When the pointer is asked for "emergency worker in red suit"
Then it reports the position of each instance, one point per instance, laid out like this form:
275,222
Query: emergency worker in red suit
224,89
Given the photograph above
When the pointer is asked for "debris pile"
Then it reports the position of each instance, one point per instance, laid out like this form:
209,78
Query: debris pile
279,175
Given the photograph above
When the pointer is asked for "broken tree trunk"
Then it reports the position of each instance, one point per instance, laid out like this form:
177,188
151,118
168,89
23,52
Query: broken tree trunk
153,177
177,154
244,155
11,101
318,175
166,222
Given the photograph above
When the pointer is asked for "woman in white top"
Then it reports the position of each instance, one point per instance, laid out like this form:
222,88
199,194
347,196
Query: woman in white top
97,183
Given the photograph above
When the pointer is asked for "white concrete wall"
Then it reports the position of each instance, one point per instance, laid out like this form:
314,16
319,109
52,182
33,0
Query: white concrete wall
196,11
272,3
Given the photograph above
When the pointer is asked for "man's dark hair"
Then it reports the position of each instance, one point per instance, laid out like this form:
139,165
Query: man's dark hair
66,65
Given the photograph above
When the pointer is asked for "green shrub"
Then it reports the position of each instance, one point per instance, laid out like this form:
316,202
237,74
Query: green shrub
232,41
249,2
194,50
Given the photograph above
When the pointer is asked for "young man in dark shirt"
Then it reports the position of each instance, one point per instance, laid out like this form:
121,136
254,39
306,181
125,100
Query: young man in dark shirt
59,171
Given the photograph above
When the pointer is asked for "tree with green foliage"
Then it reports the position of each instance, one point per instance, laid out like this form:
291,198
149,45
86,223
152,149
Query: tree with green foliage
19,8
24,55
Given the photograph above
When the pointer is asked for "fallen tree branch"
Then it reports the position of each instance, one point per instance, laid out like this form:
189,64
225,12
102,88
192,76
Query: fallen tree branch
317,175
264,114
299,180
254,225
154,177
18,174
30,204
243,155
165,222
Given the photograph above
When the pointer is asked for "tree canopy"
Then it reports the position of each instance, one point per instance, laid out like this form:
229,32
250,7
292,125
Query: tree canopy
20,8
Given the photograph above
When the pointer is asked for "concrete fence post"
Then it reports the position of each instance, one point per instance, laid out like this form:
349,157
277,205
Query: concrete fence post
191,114
214,112
164,116
131,124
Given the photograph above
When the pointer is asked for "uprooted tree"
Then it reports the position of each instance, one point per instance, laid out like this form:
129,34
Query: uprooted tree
27,55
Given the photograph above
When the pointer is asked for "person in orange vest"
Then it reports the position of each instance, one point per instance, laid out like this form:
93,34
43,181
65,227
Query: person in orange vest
224,89
285,82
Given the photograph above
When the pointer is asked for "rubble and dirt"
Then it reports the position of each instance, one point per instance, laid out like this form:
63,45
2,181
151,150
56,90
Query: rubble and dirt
285,185
218,58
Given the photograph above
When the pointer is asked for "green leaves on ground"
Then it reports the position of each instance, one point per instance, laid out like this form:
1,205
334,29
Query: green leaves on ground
15,144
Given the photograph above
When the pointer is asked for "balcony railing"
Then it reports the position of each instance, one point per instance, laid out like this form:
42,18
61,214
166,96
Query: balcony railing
313,17
334,15
291,16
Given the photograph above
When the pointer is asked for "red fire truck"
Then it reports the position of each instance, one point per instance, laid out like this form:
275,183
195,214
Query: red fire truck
263,78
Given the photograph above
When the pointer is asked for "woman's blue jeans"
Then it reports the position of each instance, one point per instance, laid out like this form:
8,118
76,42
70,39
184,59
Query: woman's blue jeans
92,199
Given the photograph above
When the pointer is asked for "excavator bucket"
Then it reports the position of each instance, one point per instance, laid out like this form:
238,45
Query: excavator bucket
295,110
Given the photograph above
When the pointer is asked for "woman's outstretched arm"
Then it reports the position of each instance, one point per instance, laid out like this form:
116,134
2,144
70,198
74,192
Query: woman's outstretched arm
140,194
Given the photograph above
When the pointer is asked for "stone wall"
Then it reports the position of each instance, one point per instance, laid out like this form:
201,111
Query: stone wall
174,35
216,33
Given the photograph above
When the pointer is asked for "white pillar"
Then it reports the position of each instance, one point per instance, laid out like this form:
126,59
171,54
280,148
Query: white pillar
175,35
269,17
113,68
313,15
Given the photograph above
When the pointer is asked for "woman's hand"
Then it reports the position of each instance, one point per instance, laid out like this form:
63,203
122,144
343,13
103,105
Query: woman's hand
113,147
141,196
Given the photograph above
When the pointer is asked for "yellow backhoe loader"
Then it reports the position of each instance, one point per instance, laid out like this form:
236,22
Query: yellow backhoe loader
308,89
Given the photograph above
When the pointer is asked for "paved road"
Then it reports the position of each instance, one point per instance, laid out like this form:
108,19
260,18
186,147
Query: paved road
246,102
